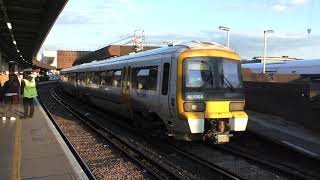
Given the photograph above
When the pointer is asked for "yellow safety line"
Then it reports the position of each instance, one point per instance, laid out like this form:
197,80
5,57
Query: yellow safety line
17,153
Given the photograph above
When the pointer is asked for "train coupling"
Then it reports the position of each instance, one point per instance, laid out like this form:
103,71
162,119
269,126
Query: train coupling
217,138
222,138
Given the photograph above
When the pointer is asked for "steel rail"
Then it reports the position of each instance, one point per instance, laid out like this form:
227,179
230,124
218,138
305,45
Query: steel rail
225,173
294,173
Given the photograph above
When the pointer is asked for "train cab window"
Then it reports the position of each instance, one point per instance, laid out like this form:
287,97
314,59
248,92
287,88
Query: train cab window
165,78
145,78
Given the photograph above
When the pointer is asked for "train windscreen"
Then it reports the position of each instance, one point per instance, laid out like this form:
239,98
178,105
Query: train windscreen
212,78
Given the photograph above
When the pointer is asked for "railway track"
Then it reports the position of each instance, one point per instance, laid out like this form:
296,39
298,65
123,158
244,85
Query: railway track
274,155
244,166
172,169
258,169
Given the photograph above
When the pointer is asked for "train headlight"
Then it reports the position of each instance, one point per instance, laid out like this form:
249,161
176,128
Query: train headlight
236,106
194,107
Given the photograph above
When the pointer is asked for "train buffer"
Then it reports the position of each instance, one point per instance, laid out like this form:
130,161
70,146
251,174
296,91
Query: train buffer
33,148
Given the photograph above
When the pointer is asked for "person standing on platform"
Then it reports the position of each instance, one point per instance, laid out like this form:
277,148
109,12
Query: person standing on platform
1,99
29,92
11,93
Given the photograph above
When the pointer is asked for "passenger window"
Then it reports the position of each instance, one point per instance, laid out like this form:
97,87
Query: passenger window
72,77
82,78
117,78
111,78
96,78
90,78
107,77
145,78
165,78
64,77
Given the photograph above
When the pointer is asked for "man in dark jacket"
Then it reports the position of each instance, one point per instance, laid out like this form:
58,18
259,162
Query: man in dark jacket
1,100
11,90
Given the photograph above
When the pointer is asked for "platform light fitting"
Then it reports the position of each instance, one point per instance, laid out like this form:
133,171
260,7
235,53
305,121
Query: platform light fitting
268,31
9,25
18,50
224,28
227,29
265,48
14,42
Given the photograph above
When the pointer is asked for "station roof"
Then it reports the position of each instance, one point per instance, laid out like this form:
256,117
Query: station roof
30,22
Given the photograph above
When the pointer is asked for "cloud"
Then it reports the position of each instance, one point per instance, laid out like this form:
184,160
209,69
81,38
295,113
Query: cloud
97,12
248,46
299,2
283,5
279,7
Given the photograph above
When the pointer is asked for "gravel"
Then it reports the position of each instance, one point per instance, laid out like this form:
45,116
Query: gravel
104,160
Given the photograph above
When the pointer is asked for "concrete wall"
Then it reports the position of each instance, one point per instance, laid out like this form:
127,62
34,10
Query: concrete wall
286,95
294,102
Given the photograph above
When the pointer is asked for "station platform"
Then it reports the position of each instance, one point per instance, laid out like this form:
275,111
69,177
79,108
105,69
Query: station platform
284,132
33,149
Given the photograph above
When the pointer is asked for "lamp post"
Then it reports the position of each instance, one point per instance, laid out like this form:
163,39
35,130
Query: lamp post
223,28
265,48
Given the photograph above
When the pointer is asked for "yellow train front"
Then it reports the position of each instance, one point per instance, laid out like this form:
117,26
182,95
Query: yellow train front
210,94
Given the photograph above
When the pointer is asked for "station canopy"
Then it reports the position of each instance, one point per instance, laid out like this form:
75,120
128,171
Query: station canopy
24,25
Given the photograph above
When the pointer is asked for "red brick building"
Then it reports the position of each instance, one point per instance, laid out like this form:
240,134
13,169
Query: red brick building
65,59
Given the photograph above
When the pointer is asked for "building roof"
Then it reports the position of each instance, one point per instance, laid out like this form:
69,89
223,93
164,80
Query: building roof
31,20
107,52
41,65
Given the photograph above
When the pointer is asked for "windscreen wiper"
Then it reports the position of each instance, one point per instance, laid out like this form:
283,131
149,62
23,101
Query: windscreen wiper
228,83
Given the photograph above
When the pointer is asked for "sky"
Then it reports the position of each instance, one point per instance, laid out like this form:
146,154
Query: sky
89,25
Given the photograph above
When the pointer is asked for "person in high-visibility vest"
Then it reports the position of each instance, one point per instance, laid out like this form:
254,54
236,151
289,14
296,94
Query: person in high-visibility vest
29,92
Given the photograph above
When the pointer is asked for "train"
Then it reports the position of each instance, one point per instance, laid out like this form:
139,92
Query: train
305,68
191,91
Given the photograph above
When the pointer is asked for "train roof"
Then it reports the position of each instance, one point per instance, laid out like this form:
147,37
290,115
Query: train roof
180,47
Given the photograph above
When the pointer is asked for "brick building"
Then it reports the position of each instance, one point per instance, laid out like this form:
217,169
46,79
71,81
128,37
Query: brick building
65,59
61,58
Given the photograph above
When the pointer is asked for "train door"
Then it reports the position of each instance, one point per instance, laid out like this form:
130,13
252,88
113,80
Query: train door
164,89
125,91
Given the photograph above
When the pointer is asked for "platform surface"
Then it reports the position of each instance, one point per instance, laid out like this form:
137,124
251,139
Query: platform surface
33,149
288,133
